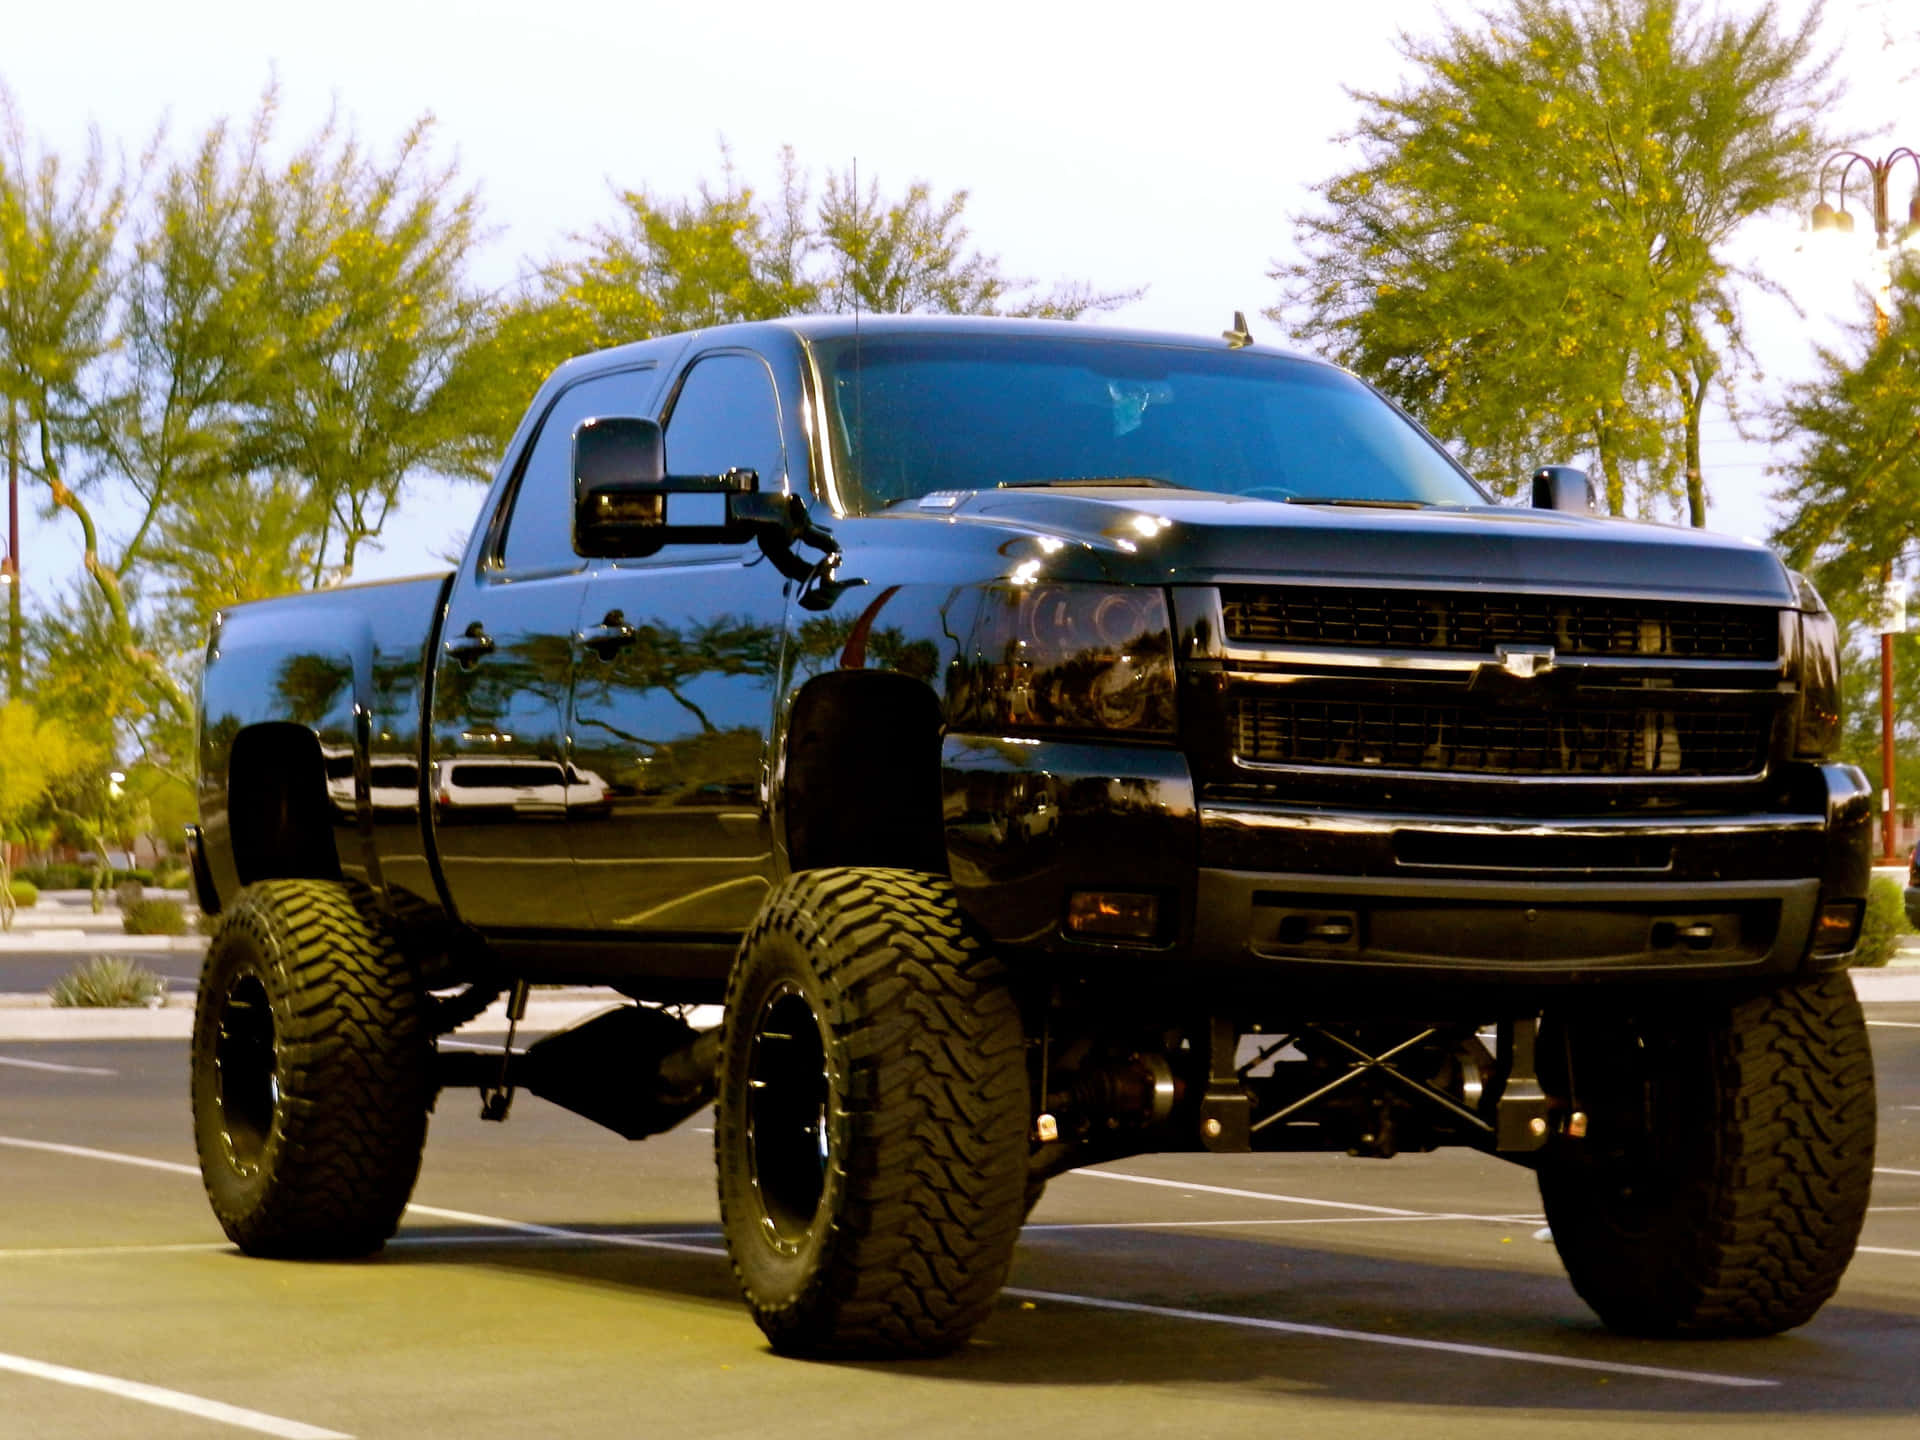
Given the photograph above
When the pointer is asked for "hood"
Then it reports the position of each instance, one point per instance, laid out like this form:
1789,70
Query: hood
1175,537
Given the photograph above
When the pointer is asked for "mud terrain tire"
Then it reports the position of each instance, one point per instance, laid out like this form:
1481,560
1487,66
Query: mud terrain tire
872,1124
1723,1182
312,1074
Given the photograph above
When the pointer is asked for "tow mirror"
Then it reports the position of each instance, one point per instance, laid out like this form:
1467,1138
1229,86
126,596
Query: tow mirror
625,503
1561,487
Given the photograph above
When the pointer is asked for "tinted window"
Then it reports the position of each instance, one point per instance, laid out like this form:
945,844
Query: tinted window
913,414
506,777
540,529
727,416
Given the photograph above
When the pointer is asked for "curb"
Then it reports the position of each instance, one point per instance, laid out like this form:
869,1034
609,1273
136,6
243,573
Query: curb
33,1017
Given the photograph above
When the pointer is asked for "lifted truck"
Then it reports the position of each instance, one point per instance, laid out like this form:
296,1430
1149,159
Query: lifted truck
1052,744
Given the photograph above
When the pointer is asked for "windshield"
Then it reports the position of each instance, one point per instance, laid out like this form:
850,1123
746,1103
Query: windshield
912,414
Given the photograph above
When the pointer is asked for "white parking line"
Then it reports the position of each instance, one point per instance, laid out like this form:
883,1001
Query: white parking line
1896,1024
1316,1220
55,1069
82,1152
560,1232
1883,1250
1369,1337
1388,1212
1884,1170
170,1400
1244,1194
1406,1342
87,1252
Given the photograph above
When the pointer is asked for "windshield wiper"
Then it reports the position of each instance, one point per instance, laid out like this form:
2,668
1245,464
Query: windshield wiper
1363,504
1131,481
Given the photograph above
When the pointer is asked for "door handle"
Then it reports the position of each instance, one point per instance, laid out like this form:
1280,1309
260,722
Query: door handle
468,647
610,636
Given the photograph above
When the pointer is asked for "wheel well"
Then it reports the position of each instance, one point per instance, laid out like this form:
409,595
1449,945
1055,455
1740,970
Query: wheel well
863,774
277,806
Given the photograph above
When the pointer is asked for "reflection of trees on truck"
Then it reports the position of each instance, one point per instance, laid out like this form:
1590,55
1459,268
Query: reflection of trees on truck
703,769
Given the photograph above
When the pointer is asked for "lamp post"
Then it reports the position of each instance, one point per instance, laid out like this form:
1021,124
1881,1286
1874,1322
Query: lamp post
1829,217
10,567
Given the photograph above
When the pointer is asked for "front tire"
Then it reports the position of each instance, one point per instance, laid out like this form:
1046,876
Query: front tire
1724,1179
311,1074
872,1124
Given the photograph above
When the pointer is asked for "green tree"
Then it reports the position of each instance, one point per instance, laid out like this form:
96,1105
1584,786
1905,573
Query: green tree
1530,253
1851,502
37,754
58,282
911,255
366,287
728,253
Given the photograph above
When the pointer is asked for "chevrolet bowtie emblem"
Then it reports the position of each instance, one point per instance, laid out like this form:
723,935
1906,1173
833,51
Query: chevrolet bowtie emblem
1523,662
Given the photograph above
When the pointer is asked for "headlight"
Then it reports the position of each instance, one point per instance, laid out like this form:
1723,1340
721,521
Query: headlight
1817,657
1068,657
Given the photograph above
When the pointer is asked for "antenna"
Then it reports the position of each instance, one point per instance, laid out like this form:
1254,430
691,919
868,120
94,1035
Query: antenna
1239,337
856,453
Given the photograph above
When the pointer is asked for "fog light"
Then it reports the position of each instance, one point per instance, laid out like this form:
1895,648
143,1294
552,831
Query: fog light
1113,915
1837,928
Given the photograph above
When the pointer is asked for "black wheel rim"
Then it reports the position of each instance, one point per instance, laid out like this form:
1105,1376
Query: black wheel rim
788,1141
247,1070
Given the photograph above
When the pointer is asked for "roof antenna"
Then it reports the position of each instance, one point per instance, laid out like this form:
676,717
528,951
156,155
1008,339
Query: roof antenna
1239,337
856,452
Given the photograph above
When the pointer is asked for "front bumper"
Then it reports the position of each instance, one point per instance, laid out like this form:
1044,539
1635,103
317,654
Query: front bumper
1269,891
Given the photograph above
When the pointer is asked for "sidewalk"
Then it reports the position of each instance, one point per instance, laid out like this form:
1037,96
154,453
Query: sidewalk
64,920
33,1017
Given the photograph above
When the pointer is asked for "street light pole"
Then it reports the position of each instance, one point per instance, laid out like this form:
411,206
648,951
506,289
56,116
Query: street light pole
10,567
1827,217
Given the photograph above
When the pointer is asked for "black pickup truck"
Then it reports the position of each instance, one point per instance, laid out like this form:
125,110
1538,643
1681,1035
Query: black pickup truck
1051,744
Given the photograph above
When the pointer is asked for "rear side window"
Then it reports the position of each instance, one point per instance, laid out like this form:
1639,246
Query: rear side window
540,525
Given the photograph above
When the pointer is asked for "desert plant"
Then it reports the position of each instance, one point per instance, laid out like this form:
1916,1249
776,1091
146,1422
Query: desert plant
25,894
1885,922
154,917
172,877
55,877
110,980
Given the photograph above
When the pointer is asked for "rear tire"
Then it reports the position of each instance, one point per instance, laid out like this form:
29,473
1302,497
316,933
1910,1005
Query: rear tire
312,1074
872,1123
1725,1175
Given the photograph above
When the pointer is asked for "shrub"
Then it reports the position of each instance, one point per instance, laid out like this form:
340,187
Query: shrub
25,893
110,980
173,877
154,917
1885,922
56,877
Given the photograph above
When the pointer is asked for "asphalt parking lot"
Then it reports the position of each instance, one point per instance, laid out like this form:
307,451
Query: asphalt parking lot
553,1279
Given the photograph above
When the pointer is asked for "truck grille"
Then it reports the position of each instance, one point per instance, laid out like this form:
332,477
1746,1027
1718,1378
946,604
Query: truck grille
1470,740
1439,620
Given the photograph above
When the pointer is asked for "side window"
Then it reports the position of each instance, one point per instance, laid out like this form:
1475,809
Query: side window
727,415
540,527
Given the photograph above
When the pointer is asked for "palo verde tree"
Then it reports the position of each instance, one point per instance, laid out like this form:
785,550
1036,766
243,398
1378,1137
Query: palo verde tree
726,253
1530,252
1851,501
366,286
37,755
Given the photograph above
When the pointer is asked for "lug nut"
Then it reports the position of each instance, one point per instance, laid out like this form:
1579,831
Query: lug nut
1210,1128
1046,1129
1577,1124
1537,1126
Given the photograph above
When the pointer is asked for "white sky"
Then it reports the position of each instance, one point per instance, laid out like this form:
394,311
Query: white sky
1121,143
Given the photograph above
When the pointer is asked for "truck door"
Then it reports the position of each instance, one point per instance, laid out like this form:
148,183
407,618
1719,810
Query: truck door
673,691
500,779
